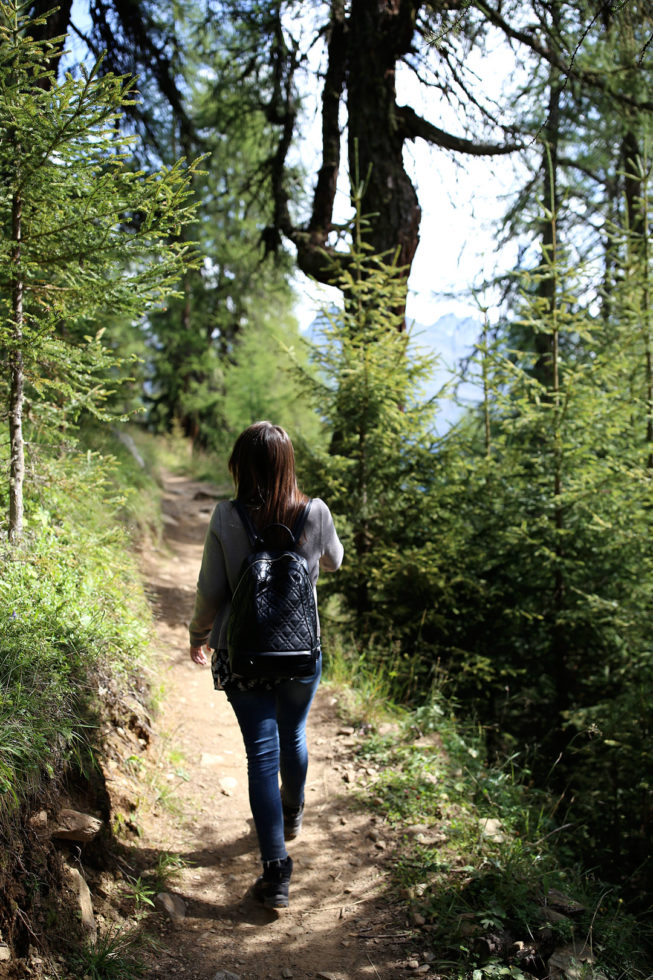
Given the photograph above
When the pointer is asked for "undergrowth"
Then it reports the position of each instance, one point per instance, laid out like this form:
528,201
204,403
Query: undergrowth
364,685
482,865
72,612
113,956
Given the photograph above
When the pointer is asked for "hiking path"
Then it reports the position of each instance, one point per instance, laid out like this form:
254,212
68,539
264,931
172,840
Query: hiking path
342,923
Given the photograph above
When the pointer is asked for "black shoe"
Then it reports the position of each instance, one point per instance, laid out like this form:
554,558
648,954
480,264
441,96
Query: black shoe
292,821
273,885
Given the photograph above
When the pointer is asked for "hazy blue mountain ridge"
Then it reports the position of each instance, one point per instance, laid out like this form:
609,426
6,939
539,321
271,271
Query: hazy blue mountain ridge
449,339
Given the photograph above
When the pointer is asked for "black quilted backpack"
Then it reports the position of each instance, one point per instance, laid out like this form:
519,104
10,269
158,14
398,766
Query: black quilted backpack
272,630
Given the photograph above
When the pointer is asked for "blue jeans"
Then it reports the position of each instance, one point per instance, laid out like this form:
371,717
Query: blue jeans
273,725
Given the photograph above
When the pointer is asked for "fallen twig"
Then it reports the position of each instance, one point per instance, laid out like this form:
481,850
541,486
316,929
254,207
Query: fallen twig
374,968
335,908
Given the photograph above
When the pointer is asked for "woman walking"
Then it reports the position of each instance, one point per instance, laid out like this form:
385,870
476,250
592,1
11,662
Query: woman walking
271,713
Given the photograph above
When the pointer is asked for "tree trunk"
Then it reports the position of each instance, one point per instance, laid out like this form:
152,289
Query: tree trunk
361,533
16,396
631,162
610,252
485,355
559,644
546,289
637,199
378,35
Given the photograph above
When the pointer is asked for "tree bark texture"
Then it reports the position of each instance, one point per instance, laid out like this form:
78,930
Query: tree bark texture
378,35
362,51
646,306
327,178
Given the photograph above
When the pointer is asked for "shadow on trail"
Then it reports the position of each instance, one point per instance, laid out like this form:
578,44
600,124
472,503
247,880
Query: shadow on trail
355,934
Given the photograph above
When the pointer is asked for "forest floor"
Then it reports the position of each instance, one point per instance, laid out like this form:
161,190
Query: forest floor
342,923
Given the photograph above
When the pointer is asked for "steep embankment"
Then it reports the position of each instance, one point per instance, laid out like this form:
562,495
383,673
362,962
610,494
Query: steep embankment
341,923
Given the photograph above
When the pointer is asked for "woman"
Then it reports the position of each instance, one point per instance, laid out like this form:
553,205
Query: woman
272,715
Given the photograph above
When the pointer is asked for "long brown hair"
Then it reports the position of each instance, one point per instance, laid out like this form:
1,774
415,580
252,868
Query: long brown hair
262,464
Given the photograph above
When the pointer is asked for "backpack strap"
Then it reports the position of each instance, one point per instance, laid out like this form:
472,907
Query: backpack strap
298,526
255,539
252,533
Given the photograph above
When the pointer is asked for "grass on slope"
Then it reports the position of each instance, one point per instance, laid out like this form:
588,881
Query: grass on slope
72,613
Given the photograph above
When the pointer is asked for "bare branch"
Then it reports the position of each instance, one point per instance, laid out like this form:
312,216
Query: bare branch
413,127
325,190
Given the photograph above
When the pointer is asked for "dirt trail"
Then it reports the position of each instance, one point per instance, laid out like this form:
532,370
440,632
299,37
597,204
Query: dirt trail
340,924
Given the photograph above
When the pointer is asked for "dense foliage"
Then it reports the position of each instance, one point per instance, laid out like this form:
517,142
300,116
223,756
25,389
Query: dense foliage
214,356
511,558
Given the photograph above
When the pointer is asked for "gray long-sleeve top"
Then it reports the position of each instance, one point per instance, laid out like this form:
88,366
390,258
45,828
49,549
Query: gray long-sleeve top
225,548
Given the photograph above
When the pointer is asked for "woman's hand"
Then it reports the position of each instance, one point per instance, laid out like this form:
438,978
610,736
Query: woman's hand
198,656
